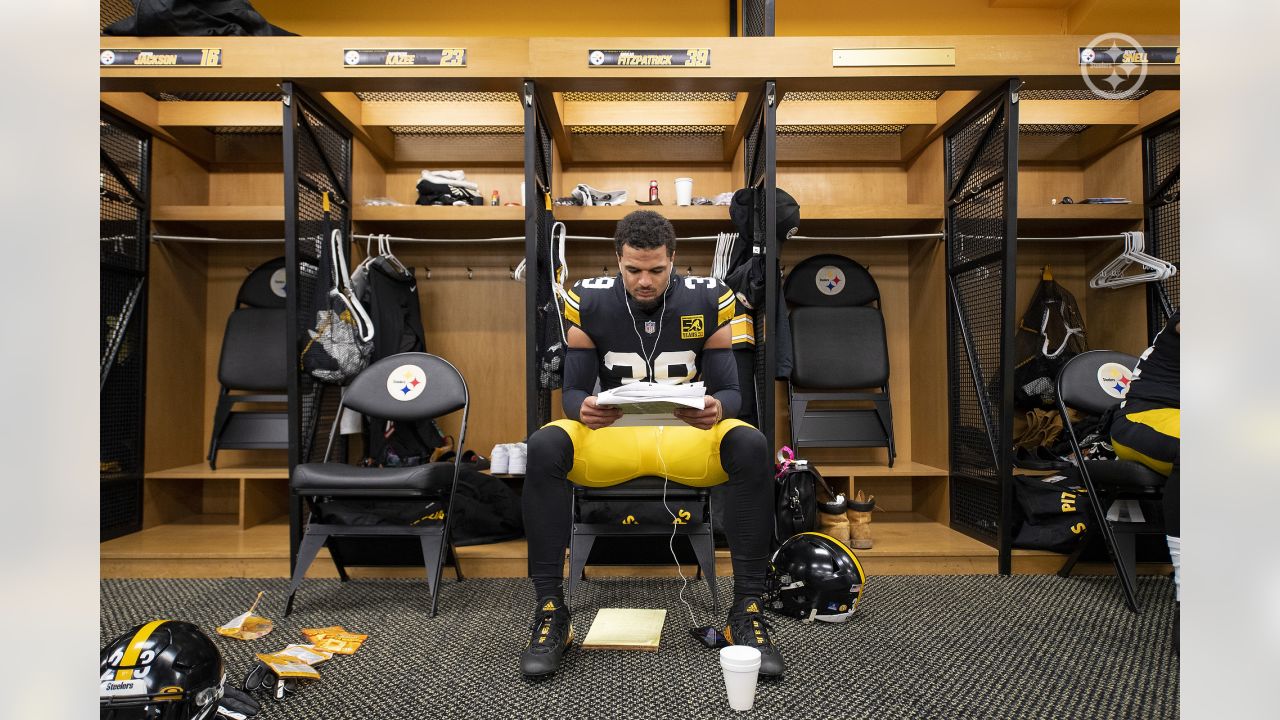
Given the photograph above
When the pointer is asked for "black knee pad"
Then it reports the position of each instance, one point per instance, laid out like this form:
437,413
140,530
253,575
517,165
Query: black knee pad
548,446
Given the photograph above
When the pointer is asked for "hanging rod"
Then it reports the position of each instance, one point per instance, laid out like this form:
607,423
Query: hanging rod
1115,236
189,238
515,238
918,236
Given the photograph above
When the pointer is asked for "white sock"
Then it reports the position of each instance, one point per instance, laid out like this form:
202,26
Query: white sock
1175,556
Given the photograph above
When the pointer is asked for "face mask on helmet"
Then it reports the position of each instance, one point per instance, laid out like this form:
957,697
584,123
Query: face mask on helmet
161,670
814,577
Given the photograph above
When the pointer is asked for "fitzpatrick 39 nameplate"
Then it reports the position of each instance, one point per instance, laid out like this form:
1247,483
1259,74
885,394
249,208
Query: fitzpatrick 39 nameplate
420,57
185,57
688,57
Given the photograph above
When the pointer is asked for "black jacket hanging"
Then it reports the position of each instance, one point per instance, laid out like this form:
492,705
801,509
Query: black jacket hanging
187,17
1050,334
391,296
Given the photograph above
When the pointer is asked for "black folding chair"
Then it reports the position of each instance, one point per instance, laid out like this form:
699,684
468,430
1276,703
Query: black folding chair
644,489
253,368
841,354
1092,382
402,388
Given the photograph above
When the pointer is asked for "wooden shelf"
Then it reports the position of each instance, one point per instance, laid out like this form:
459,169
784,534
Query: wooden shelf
217,213
201,471
613,213
901,468
229,222
1077,218
214,546
174,496
441,221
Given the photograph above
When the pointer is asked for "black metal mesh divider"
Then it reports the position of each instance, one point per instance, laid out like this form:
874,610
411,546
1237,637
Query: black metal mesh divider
760,164
124,189
317,160
757,18
538,219
981,232
1162,190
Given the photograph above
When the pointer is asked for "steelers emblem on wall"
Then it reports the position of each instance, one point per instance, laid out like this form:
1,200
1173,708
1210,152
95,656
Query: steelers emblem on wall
1114,379
277,282
830,280
406,382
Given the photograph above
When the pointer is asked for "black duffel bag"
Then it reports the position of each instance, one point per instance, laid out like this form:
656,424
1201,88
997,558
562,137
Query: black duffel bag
1053,512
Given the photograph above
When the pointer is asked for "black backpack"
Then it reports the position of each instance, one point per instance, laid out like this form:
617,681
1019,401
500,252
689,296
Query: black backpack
796,499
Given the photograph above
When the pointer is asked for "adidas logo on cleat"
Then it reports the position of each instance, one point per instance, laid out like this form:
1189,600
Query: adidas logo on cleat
550,606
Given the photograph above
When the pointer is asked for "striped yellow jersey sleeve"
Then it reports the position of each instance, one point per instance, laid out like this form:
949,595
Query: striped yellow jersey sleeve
573,308
726,307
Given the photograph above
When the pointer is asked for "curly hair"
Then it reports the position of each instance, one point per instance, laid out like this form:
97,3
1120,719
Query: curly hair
644,230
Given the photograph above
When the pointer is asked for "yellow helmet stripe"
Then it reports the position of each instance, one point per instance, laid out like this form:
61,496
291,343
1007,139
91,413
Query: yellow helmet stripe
135,649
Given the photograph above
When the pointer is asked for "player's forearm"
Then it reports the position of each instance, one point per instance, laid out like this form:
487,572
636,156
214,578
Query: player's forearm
580,371
720,374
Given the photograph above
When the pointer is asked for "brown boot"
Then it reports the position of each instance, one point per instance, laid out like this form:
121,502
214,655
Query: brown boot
860,508
837,526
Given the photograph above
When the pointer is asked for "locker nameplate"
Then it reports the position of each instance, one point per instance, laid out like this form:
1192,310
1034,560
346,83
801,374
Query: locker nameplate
167,57
686,57
1117,55
892,57
405,57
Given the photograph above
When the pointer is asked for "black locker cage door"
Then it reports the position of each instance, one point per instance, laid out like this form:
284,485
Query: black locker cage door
981,156
540,334
1162,188
317,161
760,166
124,227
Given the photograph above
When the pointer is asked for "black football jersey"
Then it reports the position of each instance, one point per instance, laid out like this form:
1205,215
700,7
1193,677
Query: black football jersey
659,345
1156,378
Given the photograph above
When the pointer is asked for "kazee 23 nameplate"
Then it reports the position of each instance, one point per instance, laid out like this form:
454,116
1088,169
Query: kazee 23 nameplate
420,57
688,57
186,57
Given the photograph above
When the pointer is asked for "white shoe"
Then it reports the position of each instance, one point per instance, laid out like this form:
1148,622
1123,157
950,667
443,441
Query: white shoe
519,459
500,460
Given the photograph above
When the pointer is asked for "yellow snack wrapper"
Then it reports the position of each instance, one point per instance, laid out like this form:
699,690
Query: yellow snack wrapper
308,654
339,645
247,626
288,667
313,633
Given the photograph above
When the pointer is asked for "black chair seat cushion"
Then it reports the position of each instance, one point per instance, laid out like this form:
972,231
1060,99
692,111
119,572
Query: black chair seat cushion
338,480
1125,476
649,486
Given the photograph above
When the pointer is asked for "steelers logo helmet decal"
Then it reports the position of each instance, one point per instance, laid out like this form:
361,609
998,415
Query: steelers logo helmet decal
353,57
597,57
406,382
1114,379
107,57
830,280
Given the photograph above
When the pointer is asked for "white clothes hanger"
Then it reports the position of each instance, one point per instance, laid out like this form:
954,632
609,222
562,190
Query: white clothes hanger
1152,269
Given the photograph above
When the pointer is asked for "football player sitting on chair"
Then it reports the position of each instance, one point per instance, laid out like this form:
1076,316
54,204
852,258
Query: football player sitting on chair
648,323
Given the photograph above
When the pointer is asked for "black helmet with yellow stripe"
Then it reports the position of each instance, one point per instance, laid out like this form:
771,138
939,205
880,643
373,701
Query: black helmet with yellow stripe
161,670
814,577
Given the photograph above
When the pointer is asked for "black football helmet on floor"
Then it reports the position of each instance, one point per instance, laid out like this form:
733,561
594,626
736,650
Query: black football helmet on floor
814,577
161,670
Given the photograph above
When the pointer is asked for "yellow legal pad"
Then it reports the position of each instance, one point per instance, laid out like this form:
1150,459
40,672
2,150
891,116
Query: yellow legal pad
626,629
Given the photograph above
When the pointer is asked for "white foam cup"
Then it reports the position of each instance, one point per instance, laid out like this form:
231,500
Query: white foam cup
741,666
684,191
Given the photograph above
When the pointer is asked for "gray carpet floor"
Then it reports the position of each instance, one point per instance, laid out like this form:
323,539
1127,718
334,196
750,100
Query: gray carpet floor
919,647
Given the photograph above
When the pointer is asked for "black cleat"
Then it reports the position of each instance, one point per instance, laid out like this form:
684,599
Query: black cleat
748,626
552,634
